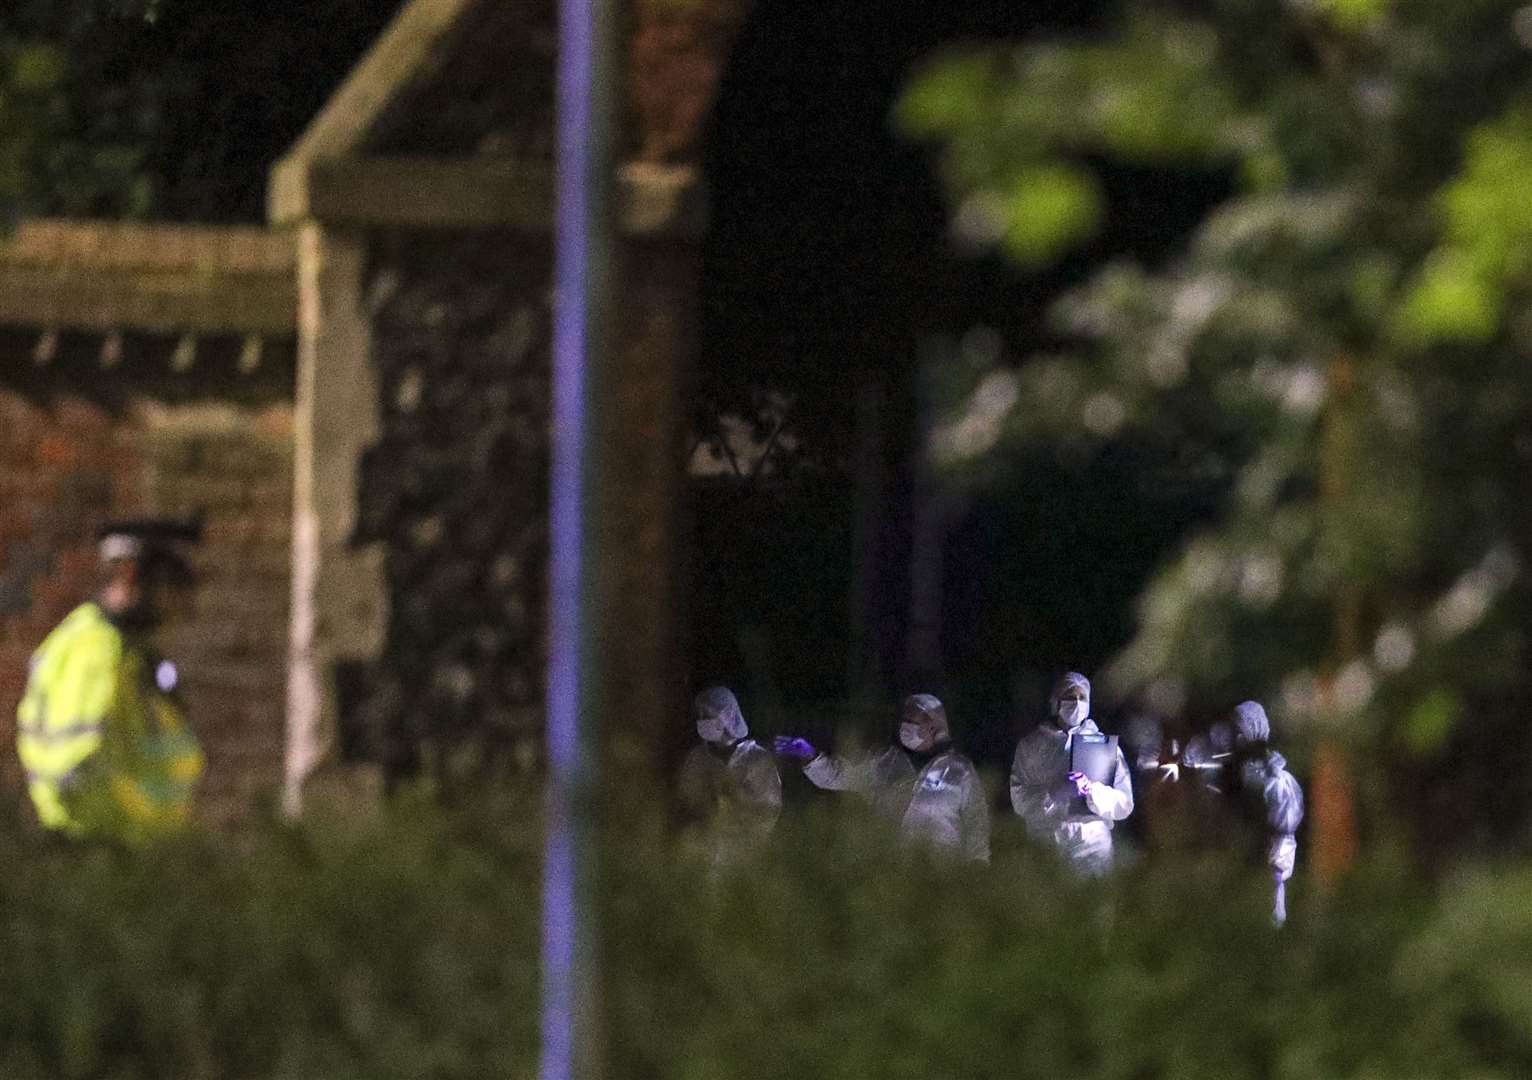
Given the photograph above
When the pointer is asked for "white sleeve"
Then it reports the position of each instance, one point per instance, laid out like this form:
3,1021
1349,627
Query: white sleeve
1113,801
841,774
975,815
1030,792
1281,855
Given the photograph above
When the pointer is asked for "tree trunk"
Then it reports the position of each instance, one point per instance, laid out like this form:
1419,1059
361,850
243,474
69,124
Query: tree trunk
860,665
1336,841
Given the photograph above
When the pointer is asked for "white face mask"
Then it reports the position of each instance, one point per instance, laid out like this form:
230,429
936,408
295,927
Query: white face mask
1071,712
912,736
710,727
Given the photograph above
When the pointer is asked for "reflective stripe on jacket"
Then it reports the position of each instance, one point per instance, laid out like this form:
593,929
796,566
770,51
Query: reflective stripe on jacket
106,750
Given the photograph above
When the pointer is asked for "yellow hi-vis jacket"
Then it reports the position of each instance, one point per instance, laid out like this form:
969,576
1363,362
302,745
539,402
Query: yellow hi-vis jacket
107,750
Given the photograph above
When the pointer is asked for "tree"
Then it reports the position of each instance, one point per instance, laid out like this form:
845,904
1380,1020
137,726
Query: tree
1341,340
164,108
63,148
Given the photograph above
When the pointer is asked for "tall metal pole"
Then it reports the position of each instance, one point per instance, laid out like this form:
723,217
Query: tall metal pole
583,271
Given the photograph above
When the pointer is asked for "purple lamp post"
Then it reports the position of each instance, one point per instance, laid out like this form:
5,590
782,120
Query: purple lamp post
583,270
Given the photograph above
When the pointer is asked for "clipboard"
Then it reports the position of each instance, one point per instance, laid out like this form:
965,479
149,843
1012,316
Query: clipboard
1095,755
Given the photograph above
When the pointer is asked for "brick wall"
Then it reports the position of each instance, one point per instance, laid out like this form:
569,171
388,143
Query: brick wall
63,468
67,464
677,53
235,463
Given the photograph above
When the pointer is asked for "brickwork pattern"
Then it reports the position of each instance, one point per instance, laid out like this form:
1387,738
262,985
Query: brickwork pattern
676,57
66,465
236,464
64,468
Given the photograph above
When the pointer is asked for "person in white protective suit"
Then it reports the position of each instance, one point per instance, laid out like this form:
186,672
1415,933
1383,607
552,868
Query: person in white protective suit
1059,805
729,784
1269,797
929,789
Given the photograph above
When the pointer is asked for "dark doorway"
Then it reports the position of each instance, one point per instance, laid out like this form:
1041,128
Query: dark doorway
826,266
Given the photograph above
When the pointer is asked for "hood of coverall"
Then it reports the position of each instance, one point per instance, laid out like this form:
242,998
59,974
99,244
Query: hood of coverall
1071,680
1251,727
923,723
719,721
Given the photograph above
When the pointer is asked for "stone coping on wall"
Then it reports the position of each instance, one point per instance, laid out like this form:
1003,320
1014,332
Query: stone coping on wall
111,277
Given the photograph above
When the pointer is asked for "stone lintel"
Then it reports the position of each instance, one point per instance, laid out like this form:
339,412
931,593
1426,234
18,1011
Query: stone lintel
465,193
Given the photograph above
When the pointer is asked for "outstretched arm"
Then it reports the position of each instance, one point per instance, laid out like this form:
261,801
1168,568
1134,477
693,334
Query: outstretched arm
842,773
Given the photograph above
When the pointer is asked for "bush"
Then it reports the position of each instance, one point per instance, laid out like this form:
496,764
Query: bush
400,951
408,948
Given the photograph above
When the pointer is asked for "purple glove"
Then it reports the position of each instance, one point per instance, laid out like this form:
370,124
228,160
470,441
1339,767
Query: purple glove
790,747
1082,785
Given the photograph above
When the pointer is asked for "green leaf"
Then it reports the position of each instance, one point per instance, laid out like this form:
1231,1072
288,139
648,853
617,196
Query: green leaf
1164,120
1053,207
1265,171
1158,95
1355,15
1486,210
946,97
1452,299
1428,724
38,69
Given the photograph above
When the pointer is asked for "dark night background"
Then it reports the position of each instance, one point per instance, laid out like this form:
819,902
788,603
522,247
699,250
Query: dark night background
827,265
828,268
400,937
